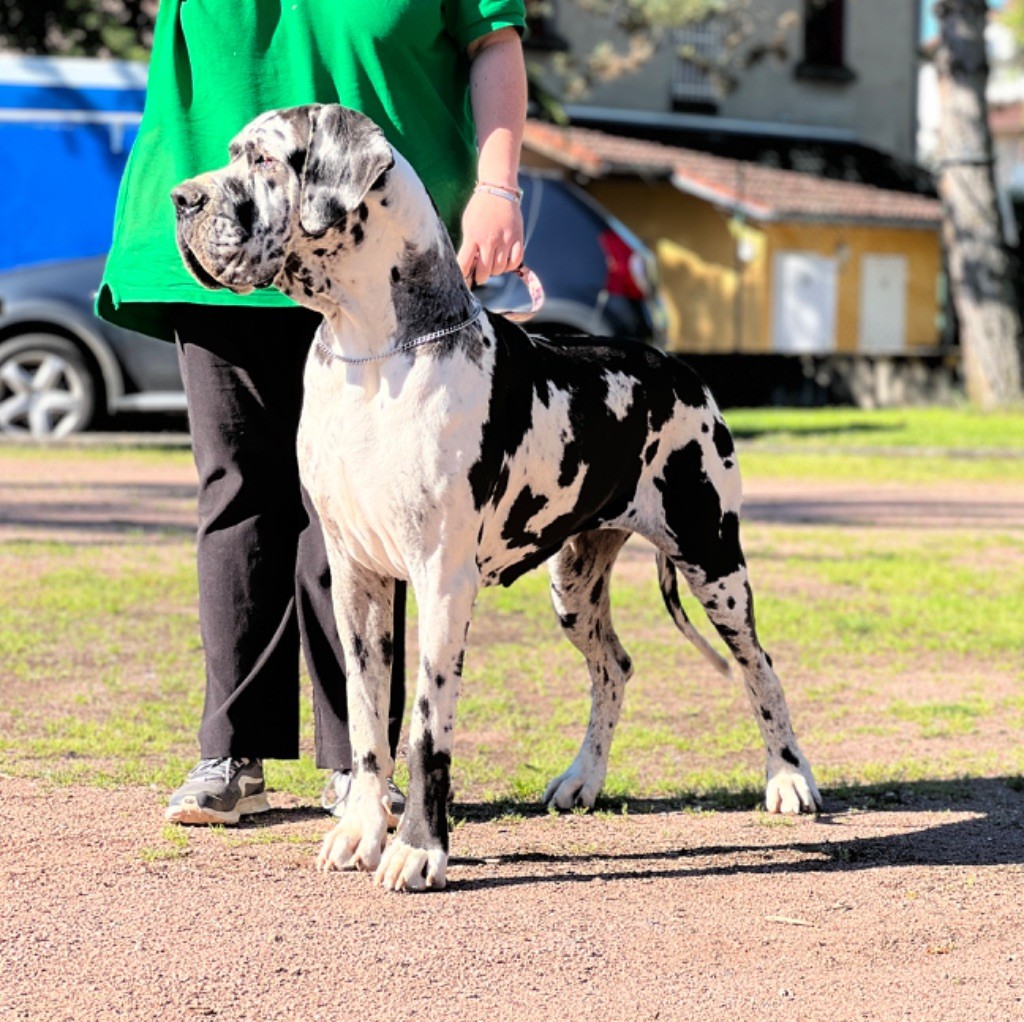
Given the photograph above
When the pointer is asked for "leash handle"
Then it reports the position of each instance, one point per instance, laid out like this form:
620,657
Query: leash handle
536,289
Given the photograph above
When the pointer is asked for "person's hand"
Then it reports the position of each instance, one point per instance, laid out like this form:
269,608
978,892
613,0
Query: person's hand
492,237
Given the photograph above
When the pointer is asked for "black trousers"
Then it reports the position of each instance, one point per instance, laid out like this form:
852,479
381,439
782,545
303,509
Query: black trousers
264,580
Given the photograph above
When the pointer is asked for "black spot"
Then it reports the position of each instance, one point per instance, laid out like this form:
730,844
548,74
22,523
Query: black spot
652,450
423,705
369,764
362,211
723,440
439,680
731,603
387,649
787,755
595,593
245,213
357,234
766,714
297,160
320,252
625,665
396,275
567,620
359,649
524,507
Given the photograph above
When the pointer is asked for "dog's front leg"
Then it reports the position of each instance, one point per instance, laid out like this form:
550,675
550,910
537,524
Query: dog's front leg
417,858
363,607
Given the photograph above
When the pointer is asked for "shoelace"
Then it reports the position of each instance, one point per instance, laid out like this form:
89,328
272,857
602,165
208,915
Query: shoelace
216,768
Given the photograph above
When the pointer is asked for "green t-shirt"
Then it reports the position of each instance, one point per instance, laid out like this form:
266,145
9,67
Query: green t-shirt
217,64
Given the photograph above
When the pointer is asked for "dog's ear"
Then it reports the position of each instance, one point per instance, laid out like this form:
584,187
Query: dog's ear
347,154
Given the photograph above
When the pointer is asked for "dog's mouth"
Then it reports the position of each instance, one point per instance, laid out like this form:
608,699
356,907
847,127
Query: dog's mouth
196,268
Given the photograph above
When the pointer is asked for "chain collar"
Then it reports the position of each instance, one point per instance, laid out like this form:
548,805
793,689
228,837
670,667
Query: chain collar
417,342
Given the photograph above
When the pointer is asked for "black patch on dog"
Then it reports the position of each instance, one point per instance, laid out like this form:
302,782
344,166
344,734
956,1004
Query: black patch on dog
359,648
524,507
723,440
297,161
705,537
424,298
245,215
429,783
369,765
766,714
787,755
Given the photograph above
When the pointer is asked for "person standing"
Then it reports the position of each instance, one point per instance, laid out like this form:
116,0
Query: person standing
446,82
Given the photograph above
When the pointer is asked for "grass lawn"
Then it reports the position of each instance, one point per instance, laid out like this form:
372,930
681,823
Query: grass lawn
899,648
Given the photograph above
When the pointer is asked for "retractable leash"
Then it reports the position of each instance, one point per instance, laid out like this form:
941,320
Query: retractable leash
536,289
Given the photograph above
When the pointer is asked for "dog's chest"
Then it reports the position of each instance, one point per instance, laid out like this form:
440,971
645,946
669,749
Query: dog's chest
385,455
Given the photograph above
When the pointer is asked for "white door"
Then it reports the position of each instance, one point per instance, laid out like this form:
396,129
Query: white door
804,302
883,304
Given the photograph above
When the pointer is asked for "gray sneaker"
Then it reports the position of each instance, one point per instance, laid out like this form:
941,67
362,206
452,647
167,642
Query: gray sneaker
219,791
335,795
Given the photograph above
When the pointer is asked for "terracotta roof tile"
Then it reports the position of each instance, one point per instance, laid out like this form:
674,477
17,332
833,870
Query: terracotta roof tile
760,192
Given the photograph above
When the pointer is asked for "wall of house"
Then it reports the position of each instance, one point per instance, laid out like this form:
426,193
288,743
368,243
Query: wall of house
716,270
849,245
878,105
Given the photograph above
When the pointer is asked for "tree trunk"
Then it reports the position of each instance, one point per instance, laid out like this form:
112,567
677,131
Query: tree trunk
980,267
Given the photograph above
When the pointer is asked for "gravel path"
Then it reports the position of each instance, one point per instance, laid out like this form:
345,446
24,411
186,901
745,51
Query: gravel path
907,913
907,908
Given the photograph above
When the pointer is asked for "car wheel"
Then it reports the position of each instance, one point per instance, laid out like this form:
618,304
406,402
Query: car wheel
46,389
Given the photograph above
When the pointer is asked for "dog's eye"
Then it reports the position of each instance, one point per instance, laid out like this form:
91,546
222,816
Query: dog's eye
259,160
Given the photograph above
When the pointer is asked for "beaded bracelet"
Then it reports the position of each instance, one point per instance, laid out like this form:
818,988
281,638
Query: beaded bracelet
511,194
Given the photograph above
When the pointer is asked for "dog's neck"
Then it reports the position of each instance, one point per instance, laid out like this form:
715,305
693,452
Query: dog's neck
385,277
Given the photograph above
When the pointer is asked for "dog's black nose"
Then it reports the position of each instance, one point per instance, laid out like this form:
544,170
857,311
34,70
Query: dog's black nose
189,198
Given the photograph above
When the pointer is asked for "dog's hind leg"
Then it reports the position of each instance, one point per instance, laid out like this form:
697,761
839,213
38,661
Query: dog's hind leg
699,486
729,604
580,577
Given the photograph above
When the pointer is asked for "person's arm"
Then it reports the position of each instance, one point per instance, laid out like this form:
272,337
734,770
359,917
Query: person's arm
492,225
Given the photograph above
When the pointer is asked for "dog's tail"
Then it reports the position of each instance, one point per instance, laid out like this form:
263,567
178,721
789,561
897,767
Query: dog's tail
670,594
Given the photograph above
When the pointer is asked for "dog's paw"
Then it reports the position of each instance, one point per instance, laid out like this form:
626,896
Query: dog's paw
576,788
791,789
407,868
355,843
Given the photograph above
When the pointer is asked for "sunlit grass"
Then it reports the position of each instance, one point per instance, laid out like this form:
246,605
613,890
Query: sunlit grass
103,675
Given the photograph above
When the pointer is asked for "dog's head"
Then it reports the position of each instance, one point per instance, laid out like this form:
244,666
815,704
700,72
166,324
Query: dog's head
296,178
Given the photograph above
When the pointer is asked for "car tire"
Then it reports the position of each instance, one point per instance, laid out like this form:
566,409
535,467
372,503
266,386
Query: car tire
46,388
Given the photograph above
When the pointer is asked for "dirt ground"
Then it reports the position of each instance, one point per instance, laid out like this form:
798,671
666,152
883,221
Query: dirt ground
904,906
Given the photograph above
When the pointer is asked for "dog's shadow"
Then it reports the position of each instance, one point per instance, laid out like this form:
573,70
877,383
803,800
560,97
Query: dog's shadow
989,831
992,834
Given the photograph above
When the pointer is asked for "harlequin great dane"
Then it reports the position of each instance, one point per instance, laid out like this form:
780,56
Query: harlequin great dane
443,445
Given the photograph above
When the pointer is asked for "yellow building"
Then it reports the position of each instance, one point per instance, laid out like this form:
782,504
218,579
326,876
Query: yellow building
761,260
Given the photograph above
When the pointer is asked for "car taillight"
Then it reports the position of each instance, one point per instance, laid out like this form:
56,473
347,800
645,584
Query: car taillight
627,274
